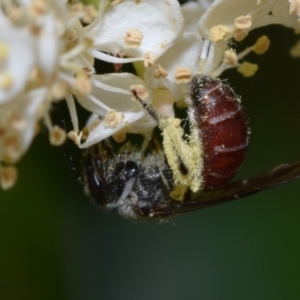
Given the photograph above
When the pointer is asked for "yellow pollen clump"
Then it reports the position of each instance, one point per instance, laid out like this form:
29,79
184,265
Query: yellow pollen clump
247,69
230,57
76,138
113,118
218,33
4,50
133,38
140,90
6,80
8,177
262,45
182,75
295,7
243,22
179,151
57,136
160,72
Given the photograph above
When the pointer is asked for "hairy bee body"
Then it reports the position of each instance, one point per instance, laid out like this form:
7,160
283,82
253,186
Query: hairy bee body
191,173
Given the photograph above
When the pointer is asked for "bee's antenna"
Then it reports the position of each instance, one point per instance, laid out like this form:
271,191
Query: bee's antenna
148,108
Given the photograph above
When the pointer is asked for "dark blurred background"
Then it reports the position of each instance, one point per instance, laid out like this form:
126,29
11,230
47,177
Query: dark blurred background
55,244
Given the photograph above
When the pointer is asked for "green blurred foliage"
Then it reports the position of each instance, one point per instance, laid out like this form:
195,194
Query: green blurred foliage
55,244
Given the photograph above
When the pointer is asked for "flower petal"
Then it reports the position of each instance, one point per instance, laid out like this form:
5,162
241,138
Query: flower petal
155,23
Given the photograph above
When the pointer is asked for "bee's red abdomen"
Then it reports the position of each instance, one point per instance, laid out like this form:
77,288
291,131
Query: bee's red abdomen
223,129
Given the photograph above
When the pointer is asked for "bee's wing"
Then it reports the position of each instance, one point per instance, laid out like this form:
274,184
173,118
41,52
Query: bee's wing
232,191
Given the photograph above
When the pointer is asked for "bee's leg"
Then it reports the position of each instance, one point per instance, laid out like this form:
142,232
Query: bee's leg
69,159
97,187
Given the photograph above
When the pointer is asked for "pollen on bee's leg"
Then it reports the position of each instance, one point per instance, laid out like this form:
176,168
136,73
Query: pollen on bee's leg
180,152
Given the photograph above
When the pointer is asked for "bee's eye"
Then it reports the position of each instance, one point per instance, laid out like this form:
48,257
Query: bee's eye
127,170
131,169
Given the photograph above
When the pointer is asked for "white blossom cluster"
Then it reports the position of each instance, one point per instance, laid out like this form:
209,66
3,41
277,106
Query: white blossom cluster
46,55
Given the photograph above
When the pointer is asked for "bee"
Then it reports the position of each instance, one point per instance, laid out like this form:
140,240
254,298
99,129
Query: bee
192,172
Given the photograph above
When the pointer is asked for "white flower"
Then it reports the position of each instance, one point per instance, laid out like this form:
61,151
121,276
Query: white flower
128,31
180,62
136,30
102,102
47,55
39,55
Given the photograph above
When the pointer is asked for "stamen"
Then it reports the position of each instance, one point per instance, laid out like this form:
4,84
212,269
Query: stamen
148,59
262,45
72,109
76,138
247,69
120,136
133,38
113,118
182,75
218,33
243,22
140,91
295,7
8,177
160,72
57,136
113,59
78,49
230,57
38,8
12,148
